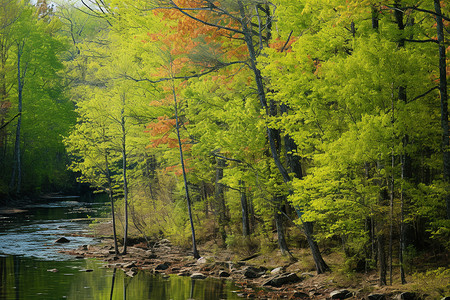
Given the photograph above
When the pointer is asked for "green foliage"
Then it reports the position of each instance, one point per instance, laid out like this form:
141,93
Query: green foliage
358,100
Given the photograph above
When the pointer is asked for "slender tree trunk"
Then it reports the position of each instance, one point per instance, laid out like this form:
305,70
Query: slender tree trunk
244,209
282,244
111,199
17,170
402,229
219,196
381,256
188,199
444,99
124,175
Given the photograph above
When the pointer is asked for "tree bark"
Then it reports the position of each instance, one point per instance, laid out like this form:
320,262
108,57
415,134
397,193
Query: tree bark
111,199
219,196
16,179
124,174
444,100
188,199
320,263
244,209
282,244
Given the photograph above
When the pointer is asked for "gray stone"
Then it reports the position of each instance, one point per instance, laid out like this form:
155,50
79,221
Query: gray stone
62,240
131,273
252,272
341,294
163,266
277,271
198,276
129,265
376,297
224,274
279,280
201,261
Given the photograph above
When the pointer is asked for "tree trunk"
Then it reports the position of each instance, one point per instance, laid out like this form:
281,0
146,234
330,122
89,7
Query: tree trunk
244,208
444,99
188,199
282,244
16,178
320,263
111,199
219,196
381,257
125,179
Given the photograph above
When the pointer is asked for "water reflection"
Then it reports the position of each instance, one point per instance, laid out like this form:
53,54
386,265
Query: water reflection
26,278
31,267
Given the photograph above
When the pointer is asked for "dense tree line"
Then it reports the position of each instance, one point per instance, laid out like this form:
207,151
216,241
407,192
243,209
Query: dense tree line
257,123
34,109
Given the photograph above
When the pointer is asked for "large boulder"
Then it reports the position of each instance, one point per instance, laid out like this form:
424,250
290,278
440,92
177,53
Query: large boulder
253,272
62,240
285,278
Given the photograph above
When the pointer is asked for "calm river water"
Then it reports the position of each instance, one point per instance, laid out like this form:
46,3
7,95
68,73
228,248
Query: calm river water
32,268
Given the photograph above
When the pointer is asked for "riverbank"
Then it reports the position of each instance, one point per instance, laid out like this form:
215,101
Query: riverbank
268,276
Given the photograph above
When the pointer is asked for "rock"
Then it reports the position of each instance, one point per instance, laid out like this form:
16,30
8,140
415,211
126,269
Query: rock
223,273
252,272
184,273
52,270
376,297
130,265
300,295
131,273
62,240
198,276
407,296
279,280
201,261
277,271
79,257
163,266
341,294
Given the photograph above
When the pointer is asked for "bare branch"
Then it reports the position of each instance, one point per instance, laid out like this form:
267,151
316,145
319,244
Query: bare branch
6,124
421,41
424,94
183,11
196,75
421,10
287,42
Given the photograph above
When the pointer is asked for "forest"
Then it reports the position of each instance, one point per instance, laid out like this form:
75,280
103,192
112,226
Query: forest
256,125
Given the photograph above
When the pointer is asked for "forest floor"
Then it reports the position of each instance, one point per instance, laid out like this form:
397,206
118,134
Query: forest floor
256,276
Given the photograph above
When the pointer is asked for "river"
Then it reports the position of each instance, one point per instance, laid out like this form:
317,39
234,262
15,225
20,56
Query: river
32,268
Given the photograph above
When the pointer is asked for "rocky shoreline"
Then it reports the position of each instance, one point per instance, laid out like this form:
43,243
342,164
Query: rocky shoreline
256,281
